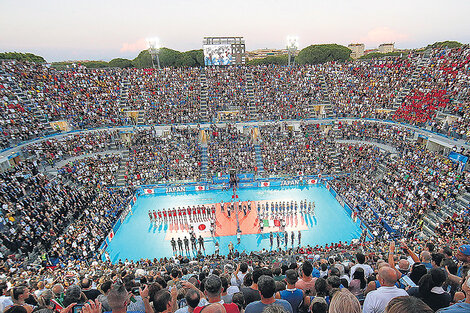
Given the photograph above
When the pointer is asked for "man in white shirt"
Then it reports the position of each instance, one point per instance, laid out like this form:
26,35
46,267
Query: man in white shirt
377,300
5,299
361,259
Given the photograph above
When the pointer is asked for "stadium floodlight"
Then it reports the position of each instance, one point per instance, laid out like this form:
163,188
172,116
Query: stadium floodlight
154,49
292,47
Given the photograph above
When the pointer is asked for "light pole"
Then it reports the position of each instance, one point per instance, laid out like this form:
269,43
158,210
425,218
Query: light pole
292,46
154,49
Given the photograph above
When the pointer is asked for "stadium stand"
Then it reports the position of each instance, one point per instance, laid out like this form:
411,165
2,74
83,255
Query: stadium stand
59,201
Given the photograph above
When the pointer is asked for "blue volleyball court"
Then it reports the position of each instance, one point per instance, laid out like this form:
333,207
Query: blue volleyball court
138,238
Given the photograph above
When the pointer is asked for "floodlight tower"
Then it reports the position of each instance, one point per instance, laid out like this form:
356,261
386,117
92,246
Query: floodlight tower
292,46
154,49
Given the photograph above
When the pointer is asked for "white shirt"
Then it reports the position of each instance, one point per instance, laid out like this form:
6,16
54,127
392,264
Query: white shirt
366,267
376,301
4,302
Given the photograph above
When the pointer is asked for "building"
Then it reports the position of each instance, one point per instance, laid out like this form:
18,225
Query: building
264,53
357,50
387,47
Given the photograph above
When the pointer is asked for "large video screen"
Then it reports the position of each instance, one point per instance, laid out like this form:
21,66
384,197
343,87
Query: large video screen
217,54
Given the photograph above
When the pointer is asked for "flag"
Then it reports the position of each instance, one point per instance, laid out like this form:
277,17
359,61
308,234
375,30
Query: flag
277,223
265,184
265,223
312,181
201,227
110,235
200,188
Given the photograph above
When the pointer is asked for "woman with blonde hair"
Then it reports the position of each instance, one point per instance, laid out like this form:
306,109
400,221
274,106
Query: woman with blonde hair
344,302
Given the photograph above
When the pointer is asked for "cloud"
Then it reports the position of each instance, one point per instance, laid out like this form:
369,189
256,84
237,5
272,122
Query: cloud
383,34
136,46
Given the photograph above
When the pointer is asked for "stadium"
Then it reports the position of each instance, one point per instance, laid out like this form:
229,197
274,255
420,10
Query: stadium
232,182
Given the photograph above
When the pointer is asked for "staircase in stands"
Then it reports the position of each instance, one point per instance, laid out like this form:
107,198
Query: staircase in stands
328,108
120,176
251,96
259,159
203,100
204,163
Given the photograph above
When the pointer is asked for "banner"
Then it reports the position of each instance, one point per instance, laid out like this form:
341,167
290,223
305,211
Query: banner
200,188
312,181
149,191
265,184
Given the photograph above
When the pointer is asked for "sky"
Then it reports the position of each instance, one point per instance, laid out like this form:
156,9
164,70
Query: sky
62,30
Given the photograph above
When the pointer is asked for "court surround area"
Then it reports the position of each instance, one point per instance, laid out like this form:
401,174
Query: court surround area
139,238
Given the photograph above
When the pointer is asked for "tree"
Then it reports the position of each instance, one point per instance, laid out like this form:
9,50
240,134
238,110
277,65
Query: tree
275,59
143,60
445,44
317,54
186,60
22,57
119,62
168,57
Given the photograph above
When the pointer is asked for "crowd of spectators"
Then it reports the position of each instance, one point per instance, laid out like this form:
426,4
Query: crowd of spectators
229,147
227,90
411,183
413,276
164,158
84,97
53,150
167,96
362,88
41,213
44,213
99,170
308,151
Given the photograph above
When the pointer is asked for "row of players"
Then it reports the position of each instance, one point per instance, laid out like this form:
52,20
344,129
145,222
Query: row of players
201,213
194,214
275,207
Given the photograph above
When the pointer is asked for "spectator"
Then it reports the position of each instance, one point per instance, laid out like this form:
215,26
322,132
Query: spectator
430,289
377,300
293,295
344,302
307,282
213,291
460,307
407,304
251,293
267,288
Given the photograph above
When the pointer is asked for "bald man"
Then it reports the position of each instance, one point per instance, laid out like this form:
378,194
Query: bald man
377,300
